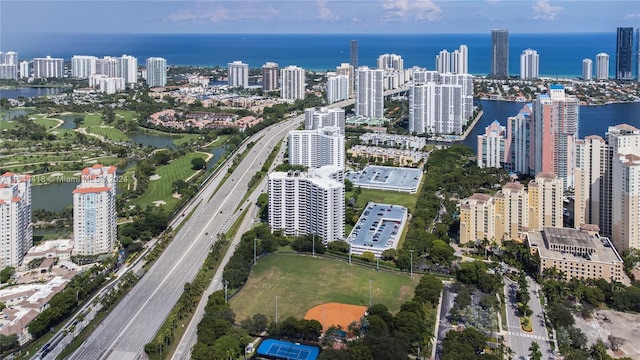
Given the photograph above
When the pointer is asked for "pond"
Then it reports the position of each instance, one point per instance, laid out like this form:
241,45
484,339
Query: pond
11,114
217,153
156,141
69,122
52,197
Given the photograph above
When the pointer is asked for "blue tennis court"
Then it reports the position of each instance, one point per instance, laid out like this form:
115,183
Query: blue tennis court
285,350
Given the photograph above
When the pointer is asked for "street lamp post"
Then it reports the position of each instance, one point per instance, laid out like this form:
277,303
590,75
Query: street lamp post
370,292
411,262
349,253
254,250
313,246
276,309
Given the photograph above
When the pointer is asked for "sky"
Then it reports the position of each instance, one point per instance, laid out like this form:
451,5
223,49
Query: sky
316,16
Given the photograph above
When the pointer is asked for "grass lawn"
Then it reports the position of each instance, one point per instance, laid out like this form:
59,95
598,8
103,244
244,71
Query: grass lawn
91,119
302,282
125,114
385,197
109,133
178,169
221,140
185,138
44,121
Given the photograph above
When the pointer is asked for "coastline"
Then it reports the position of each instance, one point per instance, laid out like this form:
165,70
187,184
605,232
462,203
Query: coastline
470,127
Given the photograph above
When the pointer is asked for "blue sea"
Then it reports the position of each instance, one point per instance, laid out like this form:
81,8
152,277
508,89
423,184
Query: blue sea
560,54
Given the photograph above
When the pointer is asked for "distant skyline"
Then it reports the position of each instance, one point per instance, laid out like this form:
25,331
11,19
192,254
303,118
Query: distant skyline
314,16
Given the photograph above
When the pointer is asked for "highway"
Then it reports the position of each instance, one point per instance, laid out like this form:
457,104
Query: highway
189,338
135,320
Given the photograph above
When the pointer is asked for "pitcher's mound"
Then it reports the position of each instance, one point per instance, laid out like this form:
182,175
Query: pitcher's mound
336,314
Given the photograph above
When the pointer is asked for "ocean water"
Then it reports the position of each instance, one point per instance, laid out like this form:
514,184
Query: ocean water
560,54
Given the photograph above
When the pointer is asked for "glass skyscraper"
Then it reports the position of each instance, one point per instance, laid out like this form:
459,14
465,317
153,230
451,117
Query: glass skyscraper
500,53
624,54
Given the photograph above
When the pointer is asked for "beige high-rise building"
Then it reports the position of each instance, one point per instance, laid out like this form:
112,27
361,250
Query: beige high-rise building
477,218
592,189
512,212
607,180
545,201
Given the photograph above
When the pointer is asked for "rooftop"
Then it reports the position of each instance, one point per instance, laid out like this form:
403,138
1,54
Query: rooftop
386,178
379,226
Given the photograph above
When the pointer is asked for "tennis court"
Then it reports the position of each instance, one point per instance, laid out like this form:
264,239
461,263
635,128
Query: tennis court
279,349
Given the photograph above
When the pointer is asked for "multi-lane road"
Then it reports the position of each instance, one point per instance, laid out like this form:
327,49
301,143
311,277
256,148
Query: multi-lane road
135,320
519,340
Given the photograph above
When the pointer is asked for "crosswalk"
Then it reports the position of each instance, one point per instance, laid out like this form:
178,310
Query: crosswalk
531,336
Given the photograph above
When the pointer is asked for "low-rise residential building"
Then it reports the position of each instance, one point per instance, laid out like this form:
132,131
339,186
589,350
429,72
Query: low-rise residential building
397,157
395,141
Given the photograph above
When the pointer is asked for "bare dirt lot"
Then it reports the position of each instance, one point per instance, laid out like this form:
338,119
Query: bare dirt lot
610,322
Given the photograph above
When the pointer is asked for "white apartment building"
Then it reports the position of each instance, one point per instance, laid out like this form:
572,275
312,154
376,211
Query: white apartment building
94,211
443,62
293,83
456,62
107,85
390,62
310,202
83,66
107,66
25,69
156,71
394,141
529,64
460,60
369,92
9,58
517,140
347,70
238,74
16,231
127,68
440,103
8,71
48,67
317,148
491,146
602,66
270,72
319,117
587,69
337,88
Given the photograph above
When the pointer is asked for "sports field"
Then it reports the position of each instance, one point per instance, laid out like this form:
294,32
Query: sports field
302,282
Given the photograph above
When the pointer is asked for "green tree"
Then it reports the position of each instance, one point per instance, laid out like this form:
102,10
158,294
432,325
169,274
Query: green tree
198,163
534,351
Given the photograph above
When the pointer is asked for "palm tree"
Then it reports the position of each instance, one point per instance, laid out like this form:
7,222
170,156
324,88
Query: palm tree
534,351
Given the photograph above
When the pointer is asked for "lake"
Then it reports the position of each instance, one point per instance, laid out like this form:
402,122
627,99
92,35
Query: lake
11,114
156,141
52,197
28,92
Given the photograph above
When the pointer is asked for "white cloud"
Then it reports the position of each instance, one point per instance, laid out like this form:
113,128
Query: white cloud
405,10
632,16
493,2
220,14
545,11
324,12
